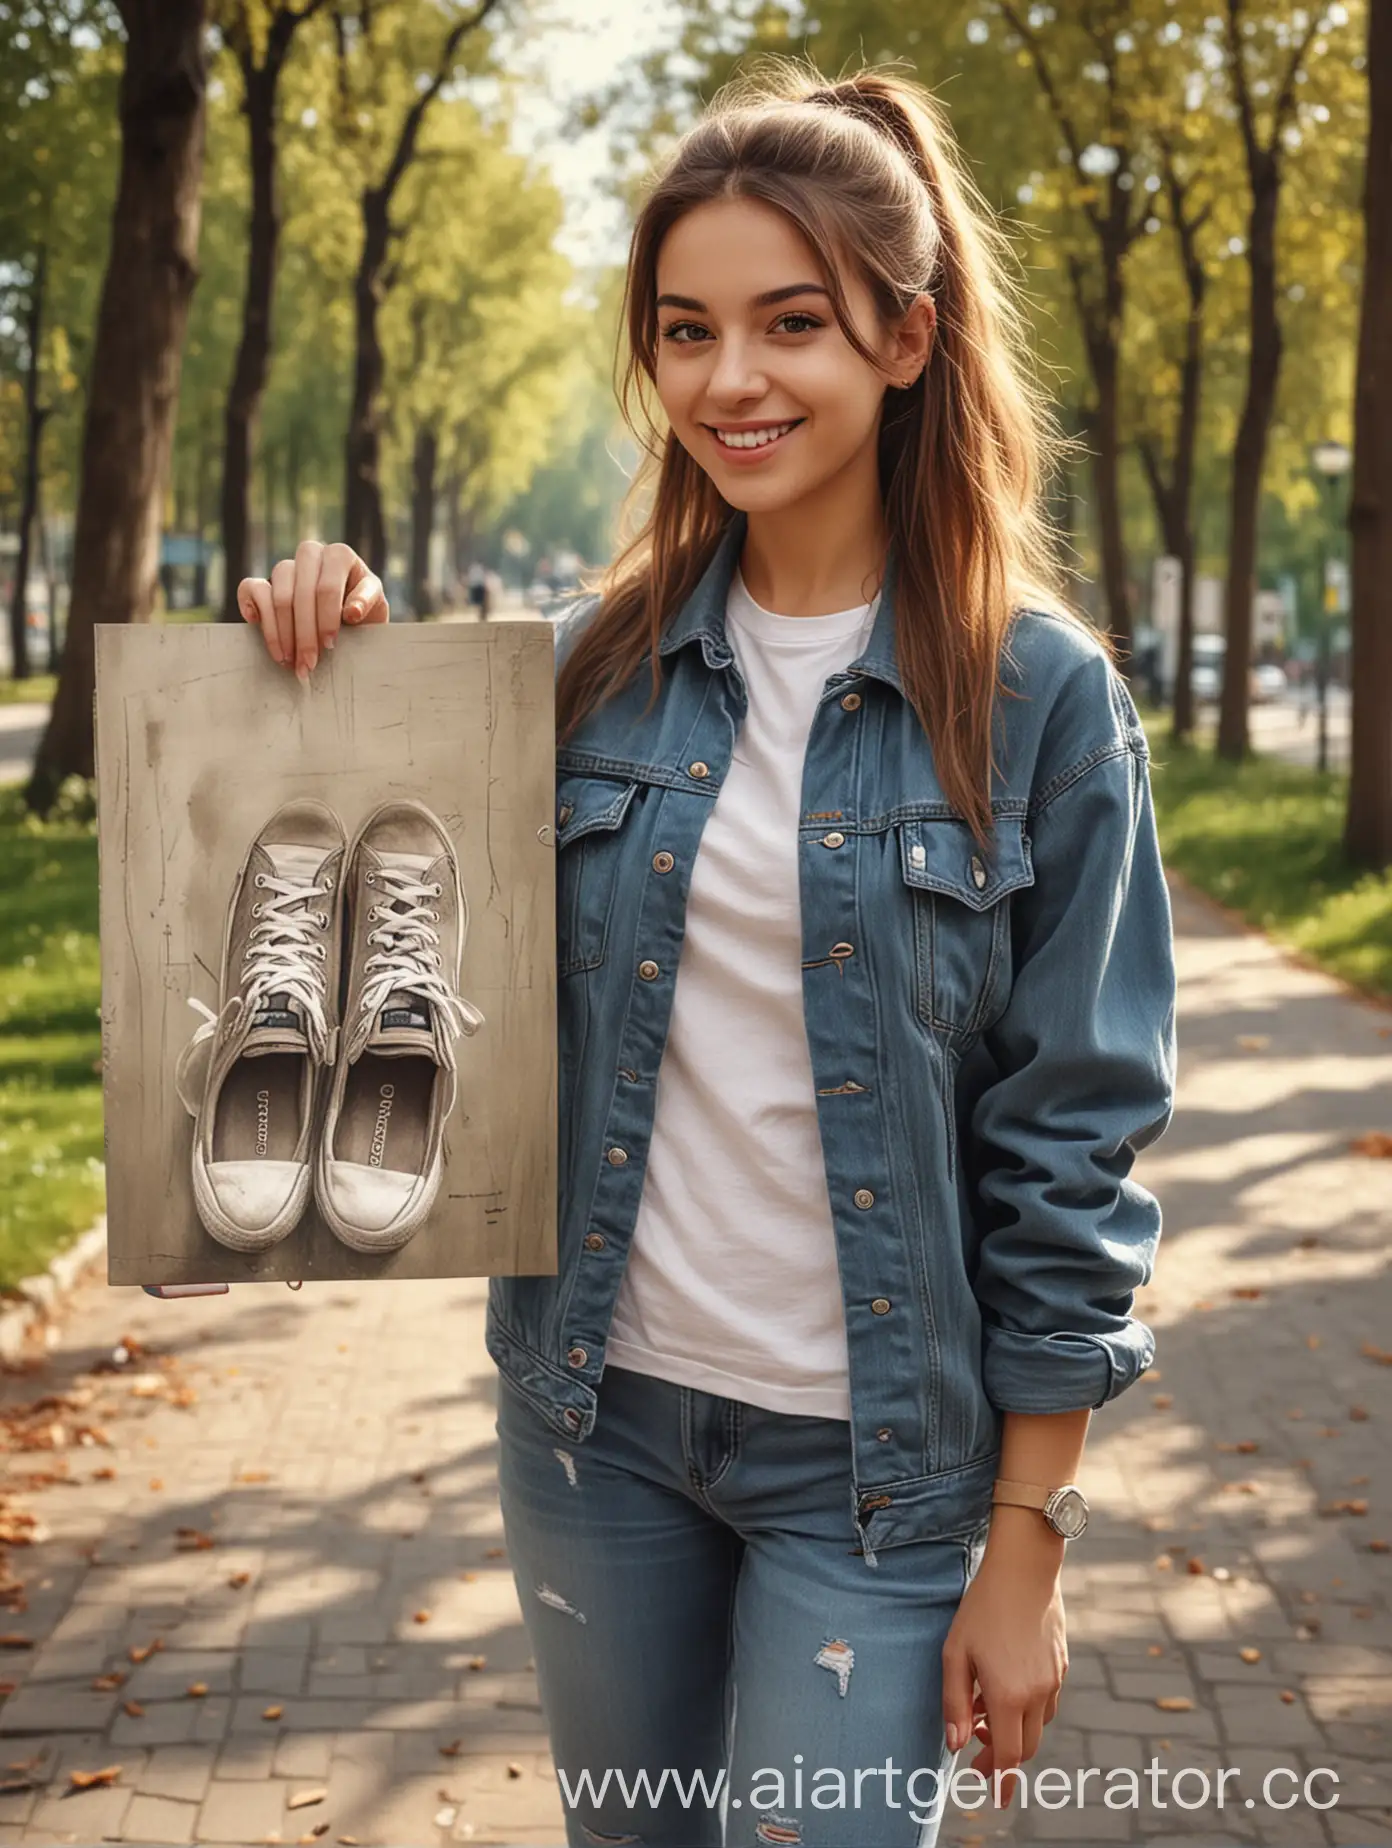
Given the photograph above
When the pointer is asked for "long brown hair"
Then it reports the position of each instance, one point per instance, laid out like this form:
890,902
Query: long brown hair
867,166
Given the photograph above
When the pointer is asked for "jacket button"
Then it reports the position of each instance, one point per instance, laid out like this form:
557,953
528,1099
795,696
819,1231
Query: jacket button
617,1157
864,1197
871,1502
850,702
566,811
577,1357
833,840
978,872
698,770
594,1241
880,1306
663,862
884,1434
649,971
572,1418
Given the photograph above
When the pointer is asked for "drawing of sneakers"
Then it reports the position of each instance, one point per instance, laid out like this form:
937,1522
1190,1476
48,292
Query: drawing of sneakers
252,1074
381,1155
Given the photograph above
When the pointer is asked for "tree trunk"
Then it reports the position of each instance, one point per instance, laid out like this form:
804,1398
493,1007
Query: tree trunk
1368,826
35,415
1106,475
129,426
364,524
423,495
254,348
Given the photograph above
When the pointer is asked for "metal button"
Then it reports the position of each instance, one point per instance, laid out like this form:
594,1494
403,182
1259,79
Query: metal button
594,1241
833,840
577,1357
978,872
627,1072
566,811
698,769
918,855
649,971
864,1197
850,702
663,862
572,1418
870,1503
884,1434
881,1305
617,1157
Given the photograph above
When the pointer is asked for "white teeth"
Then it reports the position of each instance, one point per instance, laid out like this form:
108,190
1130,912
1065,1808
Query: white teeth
753,439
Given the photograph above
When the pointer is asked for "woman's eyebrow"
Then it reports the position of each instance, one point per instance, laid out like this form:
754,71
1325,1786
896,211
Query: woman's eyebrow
766,300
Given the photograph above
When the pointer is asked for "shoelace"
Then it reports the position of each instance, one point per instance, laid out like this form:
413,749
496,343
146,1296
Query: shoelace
285,955
409,960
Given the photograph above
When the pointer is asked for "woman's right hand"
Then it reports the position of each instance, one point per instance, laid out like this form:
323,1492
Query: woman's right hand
305,599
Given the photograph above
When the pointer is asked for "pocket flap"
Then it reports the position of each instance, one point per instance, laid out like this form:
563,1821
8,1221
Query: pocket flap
939,854
587,803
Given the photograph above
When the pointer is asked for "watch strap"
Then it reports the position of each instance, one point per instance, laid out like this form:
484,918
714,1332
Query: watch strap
1020,1494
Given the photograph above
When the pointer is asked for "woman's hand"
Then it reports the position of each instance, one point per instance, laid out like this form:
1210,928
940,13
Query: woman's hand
1008,1638
301,605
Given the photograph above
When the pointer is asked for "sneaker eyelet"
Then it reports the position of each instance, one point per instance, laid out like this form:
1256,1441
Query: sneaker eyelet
371,879
260,882
438,889
256,909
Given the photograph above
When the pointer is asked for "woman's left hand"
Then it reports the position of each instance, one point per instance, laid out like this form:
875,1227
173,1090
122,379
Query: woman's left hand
1009,1640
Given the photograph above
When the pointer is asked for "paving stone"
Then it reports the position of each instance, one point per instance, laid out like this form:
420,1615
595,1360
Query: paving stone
179,1772
244,1812
159,1819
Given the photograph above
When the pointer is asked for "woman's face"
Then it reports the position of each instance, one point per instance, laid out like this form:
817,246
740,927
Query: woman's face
732,363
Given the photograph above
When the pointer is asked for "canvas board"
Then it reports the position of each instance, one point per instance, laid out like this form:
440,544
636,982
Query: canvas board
200,738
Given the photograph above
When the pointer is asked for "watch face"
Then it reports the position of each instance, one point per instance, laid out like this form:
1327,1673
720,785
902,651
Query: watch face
1067,1512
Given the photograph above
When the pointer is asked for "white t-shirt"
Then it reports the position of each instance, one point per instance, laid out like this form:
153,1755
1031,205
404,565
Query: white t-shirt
731,1283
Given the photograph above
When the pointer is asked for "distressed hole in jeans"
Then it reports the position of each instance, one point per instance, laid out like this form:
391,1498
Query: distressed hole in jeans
606,1841
567,1463
558,1603
777,1829
837,1655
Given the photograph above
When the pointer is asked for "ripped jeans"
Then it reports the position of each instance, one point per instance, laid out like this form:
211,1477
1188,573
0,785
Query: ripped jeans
718,1666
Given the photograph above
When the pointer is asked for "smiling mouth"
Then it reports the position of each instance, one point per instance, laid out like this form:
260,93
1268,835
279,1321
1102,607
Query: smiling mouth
747,442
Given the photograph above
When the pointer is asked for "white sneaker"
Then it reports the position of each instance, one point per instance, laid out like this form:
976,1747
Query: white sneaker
251,1076
381,1155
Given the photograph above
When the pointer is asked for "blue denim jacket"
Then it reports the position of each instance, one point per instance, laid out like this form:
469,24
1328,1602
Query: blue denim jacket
992,1041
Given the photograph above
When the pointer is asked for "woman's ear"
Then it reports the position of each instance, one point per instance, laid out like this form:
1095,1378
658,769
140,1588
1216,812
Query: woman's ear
916,337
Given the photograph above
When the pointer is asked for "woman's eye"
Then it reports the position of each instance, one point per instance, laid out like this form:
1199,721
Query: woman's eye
676,327
810,321
674,331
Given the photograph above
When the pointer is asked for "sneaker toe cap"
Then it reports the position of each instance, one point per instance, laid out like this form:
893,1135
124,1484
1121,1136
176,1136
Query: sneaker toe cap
370,1199
253,1195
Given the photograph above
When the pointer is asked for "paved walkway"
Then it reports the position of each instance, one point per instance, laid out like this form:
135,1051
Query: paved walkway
276,1520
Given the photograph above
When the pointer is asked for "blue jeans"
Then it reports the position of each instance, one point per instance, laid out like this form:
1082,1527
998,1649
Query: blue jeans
711,1647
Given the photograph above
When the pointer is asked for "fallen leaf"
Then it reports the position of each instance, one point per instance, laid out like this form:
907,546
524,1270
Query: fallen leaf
496,1552
141,1652
197,1690
1358,1414
306,1799
1250,1655
1254,1042
1174,1703
12,1640
104,1475
133,1708
192,1540
1244,1447
421,1617
1312,1341
1288,1696
1195,1567
253,1475
348,1841
1378,1144
1155,1649
468,1577
1247,1292
92,1780
1162,1401
1380,1546
514,1770
453,1749
1357,1482
1307,1632
238,1579
107,1684
272,1713
1382,1356
156,1483
1346,1505
1164,1563
16,1786
476,1662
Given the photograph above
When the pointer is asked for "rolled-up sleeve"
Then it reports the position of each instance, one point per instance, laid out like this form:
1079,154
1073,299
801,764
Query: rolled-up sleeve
1085,1056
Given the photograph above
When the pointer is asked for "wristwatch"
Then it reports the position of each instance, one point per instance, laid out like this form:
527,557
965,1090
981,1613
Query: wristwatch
1064,1508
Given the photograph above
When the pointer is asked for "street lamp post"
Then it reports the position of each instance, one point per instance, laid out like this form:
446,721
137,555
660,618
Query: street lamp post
1331,462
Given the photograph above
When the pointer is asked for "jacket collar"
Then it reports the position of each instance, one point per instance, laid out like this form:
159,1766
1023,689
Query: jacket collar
702,617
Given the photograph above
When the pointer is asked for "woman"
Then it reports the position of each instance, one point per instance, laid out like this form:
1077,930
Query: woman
866,1002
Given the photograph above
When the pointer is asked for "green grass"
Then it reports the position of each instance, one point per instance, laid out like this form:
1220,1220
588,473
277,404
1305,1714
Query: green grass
1264,838
51,1185
38,689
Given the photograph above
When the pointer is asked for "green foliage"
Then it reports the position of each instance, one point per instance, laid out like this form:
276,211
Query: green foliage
51,1182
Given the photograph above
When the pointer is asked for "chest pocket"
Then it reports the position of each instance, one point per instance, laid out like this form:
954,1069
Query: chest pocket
961,917
590,812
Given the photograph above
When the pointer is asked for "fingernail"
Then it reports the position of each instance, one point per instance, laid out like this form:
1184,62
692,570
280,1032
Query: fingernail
302,672
329,641
953,1741
352,613
274,648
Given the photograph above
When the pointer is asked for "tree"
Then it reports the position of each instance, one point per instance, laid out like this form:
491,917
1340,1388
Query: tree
1368,827
128,430
363,519
1287,46
260,37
